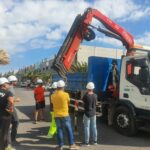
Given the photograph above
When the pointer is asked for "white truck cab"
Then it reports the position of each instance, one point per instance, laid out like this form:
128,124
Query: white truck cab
133,108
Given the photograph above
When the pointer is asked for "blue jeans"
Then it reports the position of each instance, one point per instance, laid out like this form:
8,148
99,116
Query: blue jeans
64,122
90,125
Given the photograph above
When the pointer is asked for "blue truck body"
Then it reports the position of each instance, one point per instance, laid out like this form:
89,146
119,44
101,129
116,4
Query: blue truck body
75,81
98,72
99,69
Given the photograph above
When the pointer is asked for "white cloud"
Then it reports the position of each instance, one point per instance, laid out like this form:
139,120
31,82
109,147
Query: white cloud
45,44
138,14
24,22
55,34
111,41
116,9
144,39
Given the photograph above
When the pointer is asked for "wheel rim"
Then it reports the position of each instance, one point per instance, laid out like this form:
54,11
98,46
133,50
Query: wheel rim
122,121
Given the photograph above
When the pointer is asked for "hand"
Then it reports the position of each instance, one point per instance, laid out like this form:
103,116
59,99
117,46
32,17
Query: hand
17,99
9,110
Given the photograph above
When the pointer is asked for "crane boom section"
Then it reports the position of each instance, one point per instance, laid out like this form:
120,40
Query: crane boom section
79,31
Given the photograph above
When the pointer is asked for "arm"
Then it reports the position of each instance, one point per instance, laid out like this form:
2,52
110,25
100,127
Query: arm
84,100
80,31
51,104
68,99
17,99
10,104
96,97
35,96
35,93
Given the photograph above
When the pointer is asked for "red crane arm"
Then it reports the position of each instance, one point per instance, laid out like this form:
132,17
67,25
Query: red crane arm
80,30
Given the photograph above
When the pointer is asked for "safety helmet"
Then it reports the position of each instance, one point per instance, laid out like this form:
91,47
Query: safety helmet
12,78
39,81
3,80
90,85
60,83
54,85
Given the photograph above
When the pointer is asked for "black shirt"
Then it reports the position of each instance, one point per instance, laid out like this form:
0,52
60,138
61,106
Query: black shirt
4,94
90,104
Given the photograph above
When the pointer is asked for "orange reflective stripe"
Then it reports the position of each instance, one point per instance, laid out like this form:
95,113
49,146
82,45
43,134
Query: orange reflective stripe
129,69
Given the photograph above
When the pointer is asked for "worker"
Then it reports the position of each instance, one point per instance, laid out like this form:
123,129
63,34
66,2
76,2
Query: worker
52,129
6,108
60,101
89,118
113,86
14,121
40,101
115,74
52,91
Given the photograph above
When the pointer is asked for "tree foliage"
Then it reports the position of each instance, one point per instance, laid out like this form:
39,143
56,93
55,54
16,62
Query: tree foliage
32,75
79,67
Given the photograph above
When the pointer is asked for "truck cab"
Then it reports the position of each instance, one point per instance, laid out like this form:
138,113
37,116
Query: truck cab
135,81
132,111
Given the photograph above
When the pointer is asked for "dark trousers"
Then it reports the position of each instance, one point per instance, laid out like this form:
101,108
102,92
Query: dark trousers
4,131
15,123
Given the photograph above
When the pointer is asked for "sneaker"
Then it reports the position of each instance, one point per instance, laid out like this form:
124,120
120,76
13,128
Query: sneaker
73,146
9,147
35,122
94,143
85,144
59,148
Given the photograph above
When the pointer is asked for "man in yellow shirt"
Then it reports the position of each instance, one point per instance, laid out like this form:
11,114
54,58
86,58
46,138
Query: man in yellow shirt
60,101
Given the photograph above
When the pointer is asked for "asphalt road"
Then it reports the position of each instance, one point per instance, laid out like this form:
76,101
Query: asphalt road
34,136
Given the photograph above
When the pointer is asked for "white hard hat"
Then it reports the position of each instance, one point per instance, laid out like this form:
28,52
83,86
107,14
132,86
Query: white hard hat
90,85
60,83
39,81
12,78
3,80
54,85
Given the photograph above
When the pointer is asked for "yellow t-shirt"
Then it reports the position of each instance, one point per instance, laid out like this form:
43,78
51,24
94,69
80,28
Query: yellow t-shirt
60,101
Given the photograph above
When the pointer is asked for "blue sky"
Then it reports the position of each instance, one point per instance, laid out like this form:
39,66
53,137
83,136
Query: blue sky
31,30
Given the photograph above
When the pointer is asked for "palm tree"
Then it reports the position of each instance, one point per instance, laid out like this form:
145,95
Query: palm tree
79,67
46,76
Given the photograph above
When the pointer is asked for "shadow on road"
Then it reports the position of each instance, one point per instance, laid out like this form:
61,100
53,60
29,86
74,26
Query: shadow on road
29,112
37,137
106,134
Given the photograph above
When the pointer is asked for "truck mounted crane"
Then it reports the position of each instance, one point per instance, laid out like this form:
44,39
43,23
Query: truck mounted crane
131,110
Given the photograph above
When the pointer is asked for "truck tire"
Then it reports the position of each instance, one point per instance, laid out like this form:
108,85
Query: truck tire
124,122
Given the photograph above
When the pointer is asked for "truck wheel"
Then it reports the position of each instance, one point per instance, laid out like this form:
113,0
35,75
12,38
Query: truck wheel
124,122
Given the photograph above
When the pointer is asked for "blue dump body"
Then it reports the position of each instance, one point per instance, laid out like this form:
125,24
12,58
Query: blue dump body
75,81
98,72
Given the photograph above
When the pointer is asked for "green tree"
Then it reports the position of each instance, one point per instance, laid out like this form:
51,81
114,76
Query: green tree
79,67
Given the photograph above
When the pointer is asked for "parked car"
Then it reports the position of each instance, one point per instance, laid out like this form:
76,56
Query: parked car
33,85
23,84
47,87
